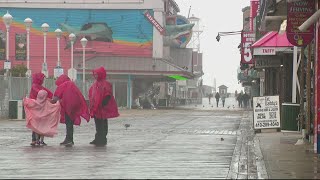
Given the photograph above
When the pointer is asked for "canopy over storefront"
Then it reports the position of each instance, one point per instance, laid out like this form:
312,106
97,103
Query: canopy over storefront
271,43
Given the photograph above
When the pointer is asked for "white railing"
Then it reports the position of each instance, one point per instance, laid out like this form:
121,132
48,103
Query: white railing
76,1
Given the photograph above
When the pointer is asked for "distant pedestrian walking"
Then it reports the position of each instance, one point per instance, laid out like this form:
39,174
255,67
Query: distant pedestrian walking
223,99
246,98
217,96
239,99
210,96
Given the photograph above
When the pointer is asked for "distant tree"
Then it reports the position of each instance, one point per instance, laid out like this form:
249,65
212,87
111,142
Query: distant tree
2,71
19,70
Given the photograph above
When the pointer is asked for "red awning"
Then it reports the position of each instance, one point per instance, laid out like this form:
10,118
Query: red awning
273,39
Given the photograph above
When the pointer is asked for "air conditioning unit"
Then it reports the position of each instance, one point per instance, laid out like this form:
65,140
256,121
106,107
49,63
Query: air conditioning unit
16,110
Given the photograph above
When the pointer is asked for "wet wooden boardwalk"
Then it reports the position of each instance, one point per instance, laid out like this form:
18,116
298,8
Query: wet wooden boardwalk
158,144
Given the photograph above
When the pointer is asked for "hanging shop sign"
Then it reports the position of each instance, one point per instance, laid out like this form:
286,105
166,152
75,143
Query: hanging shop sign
266,112
154,22
267,62
254,11
247,39
2,45
265,51
297,13
21,43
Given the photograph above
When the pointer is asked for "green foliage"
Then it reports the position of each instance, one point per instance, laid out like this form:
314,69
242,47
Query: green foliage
2,71
19,70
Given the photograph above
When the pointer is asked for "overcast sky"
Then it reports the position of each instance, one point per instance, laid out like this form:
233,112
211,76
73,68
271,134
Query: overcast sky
220,59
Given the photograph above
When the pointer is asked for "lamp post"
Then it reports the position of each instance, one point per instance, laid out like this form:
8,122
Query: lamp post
58,35
83,43
28,23
45,29
7,18
72,72
58,70
72,38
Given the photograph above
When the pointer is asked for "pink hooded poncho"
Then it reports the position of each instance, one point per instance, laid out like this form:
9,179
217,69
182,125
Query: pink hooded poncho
37,81
42,116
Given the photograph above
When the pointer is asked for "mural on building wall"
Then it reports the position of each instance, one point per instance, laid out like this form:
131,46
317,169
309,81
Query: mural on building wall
109,32
178,31
2,45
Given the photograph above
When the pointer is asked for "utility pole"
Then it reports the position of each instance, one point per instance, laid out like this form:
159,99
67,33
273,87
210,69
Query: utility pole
302,88
308,79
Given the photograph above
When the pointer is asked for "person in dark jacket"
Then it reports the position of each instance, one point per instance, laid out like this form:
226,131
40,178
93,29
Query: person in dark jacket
217,96
240,99
37,81
102,105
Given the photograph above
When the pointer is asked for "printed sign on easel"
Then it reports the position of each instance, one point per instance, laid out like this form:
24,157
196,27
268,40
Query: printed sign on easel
266,112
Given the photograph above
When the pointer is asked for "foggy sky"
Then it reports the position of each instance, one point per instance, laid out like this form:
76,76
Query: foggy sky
220,59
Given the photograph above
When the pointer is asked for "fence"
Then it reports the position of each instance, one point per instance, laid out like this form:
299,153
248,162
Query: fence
15,88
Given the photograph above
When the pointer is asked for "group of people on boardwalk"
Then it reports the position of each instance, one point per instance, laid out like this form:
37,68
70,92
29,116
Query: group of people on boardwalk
45,109
243,100
217,97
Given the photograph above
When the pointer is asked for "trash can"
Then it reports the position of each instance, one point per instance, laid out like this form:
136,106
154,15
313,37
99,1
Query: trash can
289,115
16,110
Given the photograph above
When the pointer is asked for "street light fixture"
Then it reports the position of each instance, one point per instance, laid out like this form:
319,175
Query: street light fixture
72,38
58,35
28,23
84,42
227,34
58,70
72,73
45,28
7,19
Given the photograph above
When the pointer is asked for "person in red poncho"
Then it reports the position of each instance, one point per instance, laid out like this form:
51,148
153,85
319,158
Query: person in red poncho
73,106
102,105
37,81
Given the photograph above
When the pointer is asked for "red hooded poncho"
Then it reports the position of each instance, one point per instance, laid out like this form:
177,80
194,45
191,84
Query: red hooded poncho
37,81
71,100
100,89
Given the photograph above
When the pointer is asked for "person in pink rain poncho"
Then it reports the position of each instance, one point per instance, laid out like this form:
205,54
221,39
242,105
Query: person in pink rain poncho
37,81
42,117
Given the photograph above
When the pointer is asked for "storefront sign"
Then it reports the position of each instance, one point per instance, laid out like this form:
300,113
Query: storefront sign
267,62
247,39
21,49
266,112
2,45
265,51
154,22
7,65
254,10
297,13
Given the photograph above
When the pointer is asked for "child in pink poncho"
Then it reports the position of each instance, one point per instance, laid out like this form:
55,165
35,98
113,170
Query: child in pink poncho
42,116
